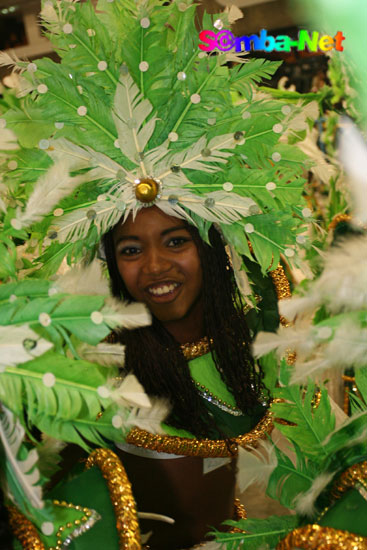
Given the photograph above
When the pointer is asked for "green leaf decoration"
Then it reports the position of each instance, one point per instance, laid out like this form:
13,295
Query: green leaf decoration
310,424
361,382
258,532
288,480
245,76
61,397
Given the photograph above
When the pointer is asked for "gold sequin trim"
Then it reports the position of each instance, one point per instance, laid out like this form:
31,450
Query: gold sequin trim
195,349
199,447
282,288
316,537
24,530
121,496
354,474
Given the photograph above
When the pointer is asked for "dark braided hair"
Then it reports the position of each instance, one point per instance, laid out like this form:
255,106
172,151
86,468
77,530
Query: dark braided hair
156,359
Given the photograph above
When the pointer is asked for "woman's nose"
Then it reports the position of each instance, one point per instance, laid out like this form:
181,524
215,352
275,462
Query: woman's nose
155,262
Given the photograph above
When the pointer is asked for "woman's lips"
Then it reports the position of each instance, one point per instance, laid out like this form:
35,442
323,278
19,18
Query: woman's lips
164,291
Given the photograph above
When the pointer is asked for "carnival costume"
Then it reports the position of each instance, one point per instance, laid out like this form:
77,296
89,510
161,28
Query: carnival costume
134,115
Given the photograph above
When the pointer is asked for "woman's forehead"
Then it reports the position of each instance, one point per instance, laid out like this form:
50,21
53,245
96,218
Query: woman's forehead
150,220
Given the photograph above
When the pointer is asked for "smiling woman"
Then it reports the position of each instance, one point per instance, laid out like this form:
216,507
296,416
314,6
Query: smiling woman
196,355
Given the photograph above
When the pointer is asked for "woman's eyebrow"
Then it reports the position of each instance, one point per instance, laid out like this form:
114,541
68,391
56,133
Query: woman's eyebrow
127,238
171,229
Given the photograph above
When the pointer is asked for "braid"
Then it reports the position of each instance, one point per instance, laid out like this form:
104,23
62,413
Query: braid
156,359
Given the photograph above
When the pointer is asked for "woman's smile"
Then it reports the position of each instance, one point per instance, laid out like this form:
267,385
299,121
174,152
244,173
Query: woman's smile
163,291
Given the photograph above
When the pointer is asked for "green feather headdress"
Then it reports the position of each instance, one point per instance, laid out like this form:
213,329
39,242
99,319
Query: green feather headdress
134,115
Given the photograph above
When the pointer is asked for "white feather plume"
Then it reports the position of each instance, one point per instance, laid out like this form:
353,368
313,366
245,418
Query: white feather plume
13,348
120,314
8,140
24,471
342,285
149,419
10,59
75,225
49,454
47,193
347,348
353,154
83,280
305,502
240,275
193,157
256,465
104,354
129,114
130,393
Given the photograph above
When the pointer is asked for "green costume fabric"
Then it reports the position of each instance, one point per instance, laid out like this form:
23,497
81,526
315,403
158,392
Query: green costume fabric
90,490
203,371
348,513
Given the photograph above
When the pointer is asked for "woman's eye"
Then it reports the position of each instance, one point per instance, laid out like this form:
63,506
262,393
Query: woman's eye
129,251
177,241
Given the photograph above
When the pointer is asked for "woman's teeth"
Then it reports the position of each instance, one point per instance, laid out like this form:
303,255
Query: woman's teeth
163,289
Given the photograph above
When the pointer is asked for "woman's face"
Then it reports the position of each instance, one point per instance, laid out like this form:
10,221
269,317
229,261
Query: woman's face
159,264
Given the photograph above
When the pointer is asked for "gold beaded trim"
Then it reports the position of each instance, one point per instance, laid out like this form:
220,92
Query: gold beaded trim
203,448
282,288
195,349
80,525
24,530
119,487
316,537
209,396
354,474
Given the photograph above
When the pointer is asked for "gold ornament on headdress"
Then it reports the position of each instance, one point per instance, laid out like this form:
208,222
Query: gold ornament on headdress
147,190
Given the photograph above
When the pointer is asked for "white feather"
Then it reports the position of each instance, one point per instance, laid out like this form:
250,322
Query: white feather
347,348
342,285
305,502
47,193
129,113
11,437
12,350
353,154
49,454
10,59
131,393
8,140
103,167
103,354
240,275
150,419
295,338
155,517
193,158
83,280
256,465
120,314
75,225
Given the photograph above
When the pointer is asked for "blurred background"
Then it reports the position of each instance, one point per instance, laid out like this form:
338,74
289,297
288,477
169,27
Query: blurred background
301,71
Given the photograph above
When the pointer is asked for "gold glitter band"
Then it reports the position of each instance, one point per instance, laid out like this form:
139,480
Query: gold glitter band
24,530
354,474
121,497
199,447
316,537
282,288
195,349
